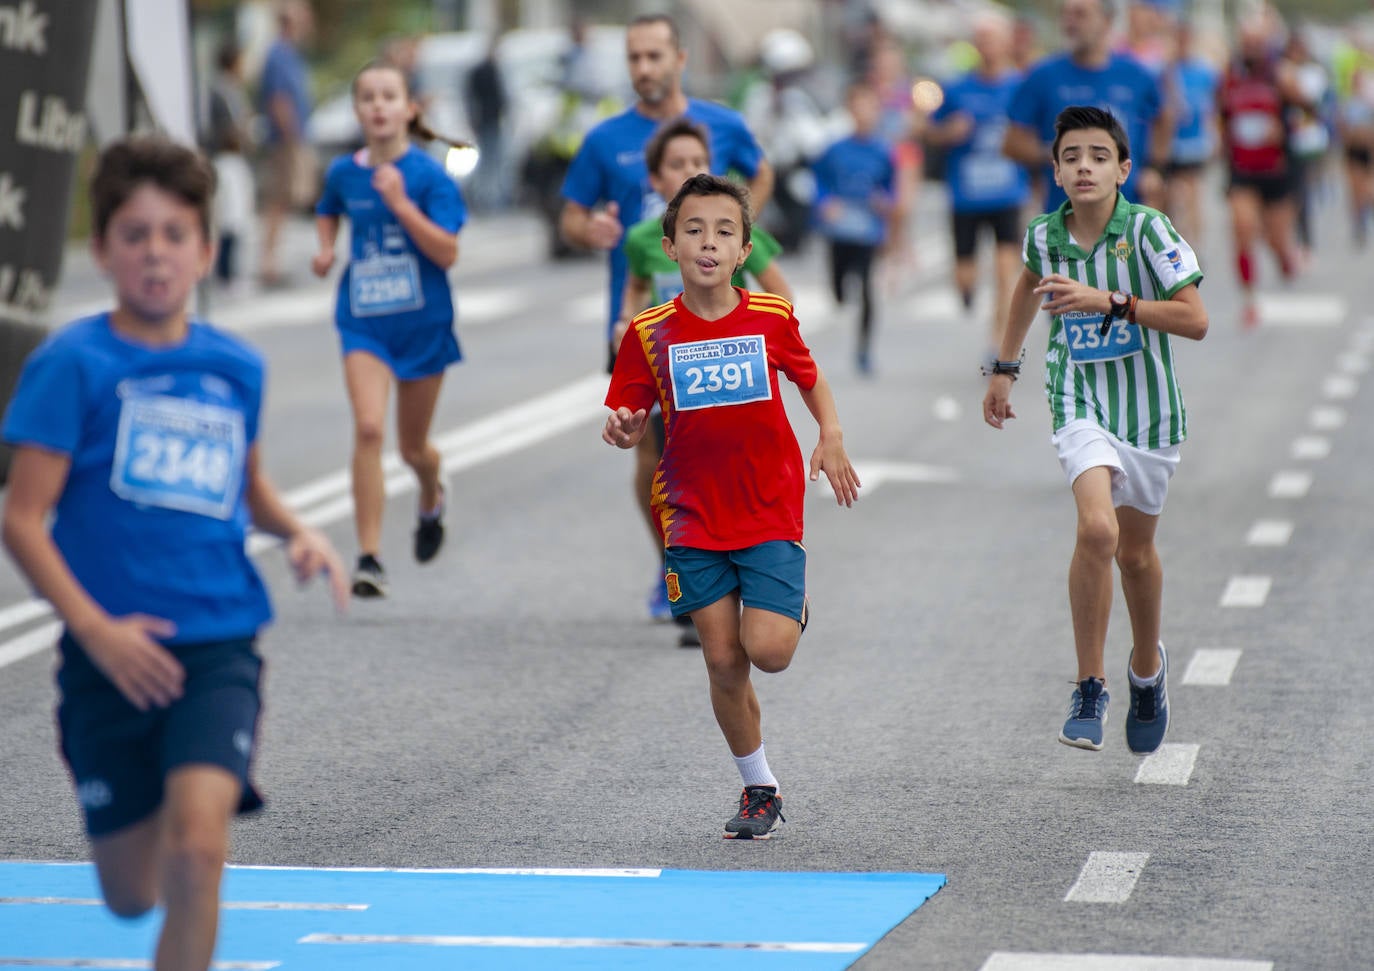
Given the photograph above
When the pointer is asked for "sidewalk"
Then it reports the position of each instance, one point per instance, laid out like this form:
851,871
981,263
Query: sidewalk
487,244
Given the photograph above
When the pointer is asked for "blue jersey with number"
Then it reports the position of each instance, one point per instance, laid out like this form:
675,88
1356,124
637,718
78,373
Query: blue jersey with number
855,182
389,283
609,167
1122,87
152,517
980,177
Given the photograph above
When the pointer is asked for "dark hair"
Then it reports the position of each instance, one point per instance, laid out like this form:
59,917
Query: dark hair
709,185
682,127
137,160
228,55
1079,117
418,127
647,19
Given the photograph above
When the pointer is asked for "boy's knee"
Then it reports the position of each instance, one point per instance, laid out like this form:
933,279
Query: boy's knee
128,903
771,654
194,858
1137,559
1098,534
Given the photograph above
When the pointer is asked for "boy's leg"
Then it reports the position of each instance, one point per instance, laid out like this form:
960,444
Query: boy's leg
200,801
733,700
1142,582
769,639
368,380
126,862
1090,570
415,403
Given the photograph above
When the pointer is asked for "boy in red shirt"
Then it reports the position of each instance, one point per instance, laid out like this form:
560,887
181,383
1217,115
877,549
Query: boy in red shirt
729,490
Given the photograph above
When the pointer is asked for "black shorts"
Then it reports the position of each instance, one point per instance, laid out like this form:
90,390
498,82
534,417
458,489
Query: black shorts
1182,168
1271,188
1359,155
1005,225
120,757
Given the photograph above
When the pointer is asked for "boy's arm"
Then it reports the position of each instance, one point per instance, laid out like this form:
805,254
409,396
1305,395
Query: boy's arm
637,289
327,232
307,550
144,671
1182,315
1024,305
829,455
772,280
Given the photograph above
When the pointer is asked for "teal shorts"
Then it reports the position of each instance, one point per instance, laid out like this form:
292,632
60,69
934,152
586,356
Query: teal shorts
770,576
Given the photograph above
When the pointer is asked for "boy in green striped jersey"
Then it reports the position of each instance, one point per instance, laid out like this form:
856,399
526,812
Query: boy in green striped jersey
1118,282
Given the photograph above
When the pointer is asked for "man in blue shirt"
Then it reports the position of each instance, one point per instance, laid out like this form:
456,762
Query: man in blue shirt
1088,72
284,99
609,167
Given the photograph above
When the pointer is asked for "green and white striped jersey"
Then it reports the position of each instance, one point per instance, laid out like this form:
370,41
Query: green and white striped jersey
1136,396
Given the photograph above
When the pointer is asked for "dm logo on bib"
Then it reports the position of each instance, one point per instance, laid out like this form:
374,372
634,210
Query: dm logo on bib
715,373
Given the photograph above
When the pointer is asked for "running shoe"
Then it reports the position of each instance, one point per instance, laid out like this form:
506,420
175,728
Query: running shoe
369,579
1087,715
687,636
759,816
429,532
1148,717
659,608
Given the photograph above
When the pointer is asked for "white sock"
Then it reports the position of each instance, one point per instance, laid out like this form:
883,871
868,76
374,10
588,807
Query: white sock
753,769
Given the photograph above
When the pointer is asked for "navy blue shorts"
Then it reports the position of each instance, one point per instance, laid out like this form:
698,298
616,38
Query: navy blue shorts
770,576
120,756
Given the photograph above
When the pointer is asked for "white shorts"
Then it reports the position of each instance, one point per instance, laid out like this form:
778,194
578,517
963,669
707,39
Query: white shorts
1140,477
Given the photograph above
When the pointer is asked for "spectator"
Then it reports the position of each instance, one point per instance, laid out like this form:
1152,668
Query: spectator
487,104
227,141
292,175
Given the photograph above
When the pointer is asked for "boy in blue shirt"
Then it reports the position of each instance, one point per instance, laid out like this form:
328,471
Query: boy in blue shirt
855,186
138,429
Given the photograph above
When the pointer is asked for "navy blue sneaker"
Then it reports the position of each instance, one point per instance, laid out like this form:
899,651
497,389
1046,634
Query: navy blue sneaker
1087,715
1148,717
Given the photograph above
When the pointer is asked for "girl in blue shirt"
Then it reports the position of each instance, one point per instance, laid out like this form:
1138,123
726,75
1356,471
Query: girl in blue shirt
135,431
394,310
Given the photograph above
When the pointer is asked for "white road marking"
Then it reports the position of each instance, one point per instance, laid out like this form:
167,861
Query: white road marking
1212,666
632,872
875,474
224,905
1352,362
125,964
23,612
1290,484
947,408
1310,447
1327,418
1171,765
1340,386
1023,961
1269,532
325,500
453,940
1246,591
1107,878
1301,310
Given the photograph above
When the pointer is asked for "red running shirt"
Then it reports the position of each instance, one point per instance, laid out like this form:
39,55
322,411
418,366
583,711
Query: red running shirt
732,474
1252,115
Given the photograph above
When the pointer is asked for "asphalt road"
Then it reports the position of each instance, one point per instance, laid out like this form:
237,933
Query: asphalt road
510,705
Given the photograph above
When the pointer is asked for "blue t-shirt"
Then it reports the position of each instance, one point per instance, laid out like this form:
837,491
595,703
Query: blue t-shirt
980,177
1123,87
1193,88
152,518
857,172
284,72
387,275
609,167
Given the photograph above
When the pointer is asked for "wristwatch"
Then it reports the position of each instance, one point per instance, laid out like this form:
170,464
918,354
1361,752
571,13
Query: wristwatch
1121,303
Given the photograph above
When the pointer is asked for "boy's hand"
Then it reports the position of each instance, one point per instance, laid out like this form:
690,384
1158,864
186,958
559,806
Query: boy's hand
997,402
321,262
310,553
830,458
144,671
1064,295
624,428
604,228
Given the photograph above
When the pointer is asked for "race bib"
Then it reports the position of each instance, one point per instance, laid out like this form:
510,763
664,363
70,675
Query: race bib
175,453
1087,343
384,285
983,175
714,373
667,285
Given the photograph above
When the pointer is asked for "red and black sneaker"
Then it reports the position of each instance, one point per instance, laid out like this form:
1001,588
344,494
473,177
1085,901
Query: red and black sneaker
759,817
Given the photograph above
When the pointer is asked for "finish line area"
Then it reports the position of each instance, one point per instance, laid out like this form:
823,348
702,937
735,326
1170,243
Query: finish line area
303,919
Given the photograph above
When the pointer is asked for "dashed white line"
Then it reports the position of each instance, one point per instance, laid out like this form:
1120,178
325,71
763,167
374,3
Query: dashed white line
1212,666
1171,765
1327,418
1023,961
1290,484
1107,878
224,905
1340,386
1352,363
1269,532
38,639
1308,447
1301,310
1246,591
455,940
125,964
947,408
